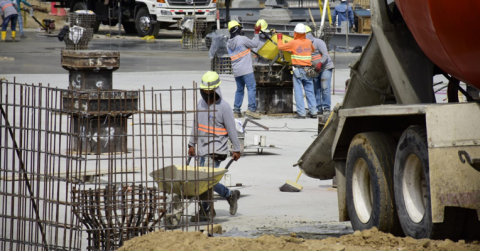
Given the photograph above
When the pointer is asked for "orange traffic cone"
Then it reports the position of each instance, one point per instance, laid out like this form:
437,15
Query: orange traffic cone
53,10
62,12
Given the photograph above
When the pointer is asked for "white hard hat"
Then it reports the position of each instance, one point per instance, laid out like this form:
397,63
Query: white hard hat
343,0
299,28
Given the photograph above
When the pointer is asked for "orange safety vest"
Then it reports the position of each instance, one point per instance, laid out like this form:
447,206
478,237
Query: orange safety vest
212,130
301,49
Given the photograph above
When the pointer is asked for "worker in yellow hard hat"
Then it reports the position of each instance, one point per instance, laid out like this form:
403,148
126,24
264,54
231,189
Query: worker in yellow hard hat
263,38
239,47
213,125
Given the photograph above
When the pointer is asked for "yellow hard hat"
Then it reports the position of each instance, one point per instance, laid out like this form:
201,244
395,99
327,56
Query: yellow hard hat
210,81
232,24
263,24
307,29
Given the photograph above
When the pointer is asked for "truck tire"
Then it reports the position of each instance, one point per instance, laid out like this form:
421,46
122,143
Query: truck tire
412,190
369,178
144,25
129,28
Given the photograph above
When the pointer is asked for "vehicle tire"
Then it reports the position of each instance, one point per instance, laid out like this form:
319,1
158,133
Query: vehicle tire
143,23
369,177
129,28
412,190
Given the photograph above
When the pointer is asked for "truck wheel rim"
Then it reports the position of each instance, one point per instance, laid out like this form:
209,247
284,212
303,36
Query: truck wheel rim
414,188
362,190
144,23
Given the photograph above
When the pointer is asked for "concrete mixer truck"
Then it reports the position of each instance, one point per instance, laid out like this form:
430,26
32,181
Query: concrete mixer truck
403,162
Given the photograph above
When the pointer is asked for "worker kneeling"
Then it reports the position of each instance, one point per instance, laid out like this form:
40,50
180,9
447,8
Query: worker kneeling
301,49
212,127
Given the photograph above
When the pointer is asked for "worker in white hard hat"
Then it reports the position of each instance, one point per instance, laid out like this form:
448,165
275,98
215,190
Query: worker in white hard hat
301,49
344,13
213,125
264,35
239,47
323,65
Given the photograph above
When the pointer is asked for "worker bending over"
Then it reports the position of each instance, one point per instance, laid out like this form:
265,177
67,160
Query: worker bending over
9,14
213,125
323,66
301,49
239,47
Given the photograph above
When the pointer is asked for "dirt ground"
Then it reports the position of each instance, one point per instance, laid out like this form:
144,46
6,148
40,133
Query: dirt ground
366,240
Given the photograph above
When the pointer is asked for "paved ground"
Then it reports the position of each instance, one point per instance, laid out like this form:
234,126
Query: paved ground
161,64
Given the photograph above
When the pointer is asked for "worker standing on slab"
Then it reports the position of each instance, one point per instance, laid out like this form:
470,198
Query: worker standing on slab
344,13
9,14
212,127
264,36
20,18
324,66
301,49
239,47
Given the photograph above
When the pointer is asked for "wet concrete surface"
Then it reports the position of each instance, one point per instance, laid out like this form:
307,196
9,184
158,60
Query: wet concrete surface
40,54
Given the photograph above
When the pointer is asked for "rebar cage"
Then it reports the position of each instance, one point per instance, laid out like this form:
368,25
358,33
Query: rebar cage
76,166
193,38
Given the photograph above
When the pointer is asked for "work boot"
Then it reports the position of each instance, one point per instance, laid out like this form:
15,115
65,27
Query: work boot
300,117
320,112
232,201
4,36
23,36
13,36
253,114
313,116
237,115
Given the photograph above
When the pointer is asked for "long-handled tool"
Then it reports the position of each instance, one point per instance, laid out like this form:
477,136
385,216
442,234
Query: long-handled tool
291,186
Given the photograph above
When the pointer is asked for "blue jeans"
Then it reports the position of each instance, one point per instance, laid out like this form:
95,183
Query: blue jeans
322,88
242,81
300,79
20,24
13,19
218,188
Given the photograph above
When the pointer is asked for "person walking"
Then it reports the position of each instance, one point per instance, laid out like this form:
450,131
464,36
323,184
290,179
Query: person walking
9,14
20,17
301,49
239,48
212,127
324,66
344,12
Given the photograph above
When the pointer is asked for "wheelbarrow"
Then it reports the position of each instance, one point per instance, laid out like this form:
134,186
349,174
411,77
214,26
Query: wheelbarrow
185,182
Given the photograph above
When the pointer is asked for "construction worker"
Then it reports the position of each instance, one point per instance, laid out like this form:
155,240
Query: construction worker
343,11
212,127
264,35
9,14
239,47
324,66
20,18
301,49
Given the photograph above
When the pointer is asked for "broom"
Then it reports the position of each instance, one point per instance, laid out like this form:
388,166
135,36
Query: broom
291,186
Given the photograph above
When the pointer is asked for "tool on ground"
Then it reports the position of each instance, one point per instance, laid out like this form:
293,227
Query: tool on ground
291,186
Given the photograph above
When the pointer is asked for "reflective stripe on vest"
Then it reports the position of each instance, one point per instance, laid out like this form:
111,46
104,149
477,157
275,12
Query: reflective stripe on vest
298,57
241,54
213,130
6,6
317,57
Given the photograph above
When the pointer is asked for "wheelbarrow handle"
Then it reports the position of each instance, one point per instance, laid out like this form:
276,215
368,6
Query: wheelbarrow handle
229,163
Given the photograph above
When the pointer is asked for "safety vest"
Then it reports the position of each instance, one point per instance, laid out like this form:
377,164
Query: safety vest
6,6
212,130
301,49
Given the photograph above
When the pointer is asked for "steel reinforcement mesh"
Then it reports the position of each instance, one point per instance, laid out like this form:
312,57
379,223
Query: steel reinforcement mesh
89,170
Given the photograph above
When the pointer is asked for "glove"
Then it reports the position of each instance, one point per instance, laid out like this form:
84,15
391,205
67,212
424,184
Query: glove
318,67
279,36
257,29
191,151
